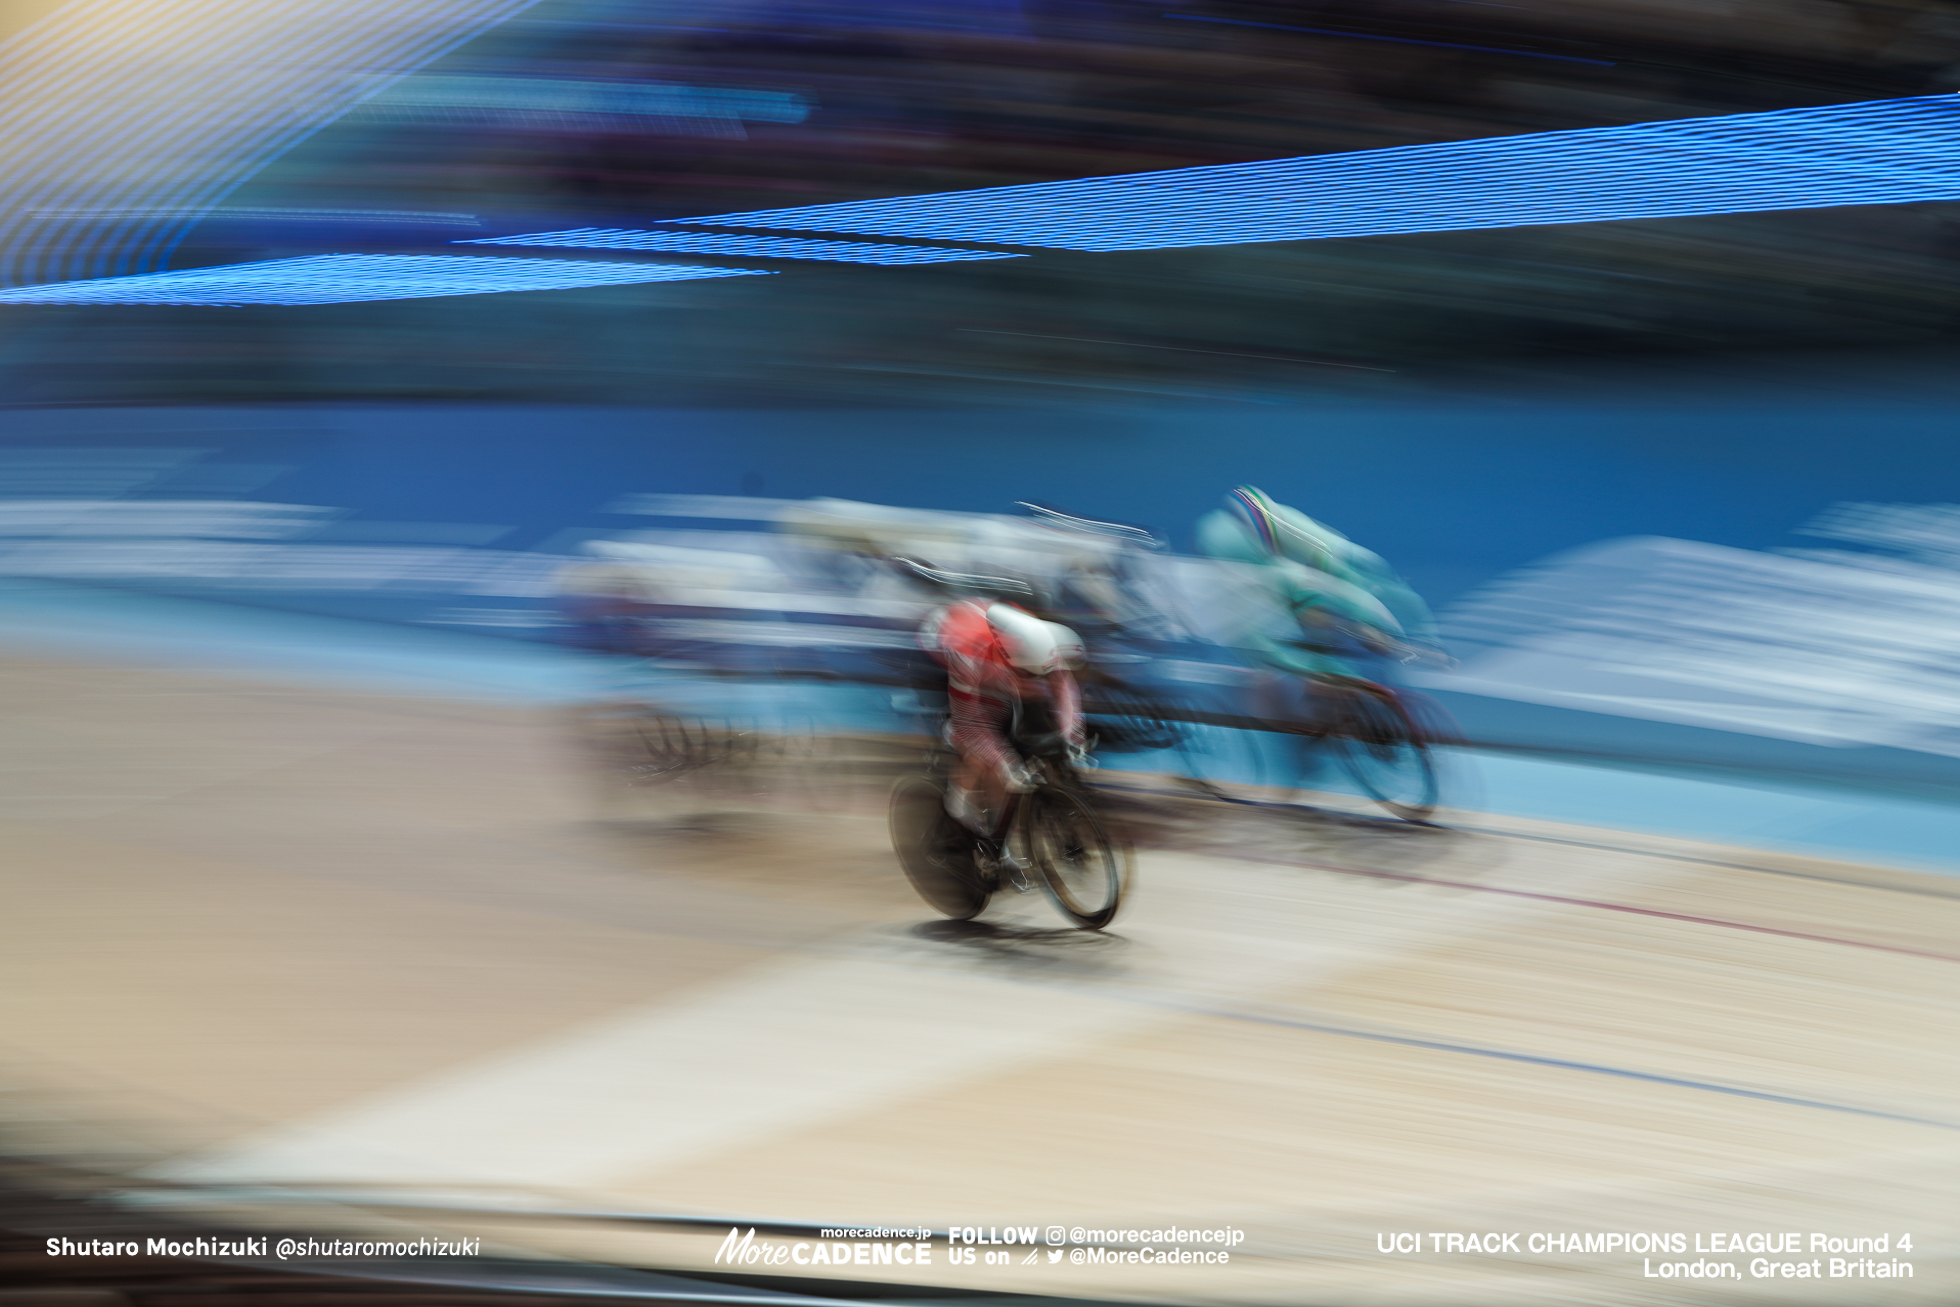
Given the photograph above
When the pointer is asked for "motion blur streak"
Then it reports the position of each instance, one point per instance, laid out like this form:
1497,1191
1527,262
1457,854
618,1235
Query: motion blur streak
1882,152
765,247
344,278
1392,40
163,109
560,104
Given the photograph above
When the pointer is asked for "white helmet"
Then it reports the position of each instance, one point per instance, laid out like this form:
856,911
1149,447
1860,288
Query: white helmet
1032,645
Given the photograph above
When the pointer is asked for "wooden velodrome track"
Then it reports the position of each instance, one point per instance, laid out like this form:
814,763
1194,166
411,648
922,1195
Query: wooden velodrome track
294,936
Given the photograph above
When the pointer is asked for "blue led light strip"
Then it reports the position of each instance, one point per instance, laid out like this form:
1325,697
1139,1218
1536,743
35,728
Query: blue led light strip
121,121
759,247
346,278
1882,152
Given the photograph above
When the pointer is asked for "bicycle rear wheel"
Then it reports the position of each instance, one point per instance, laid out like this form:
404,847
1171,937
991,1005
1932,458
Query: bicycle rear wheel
1082,868
1127,721
1387,755
630,749
935,850
1221,762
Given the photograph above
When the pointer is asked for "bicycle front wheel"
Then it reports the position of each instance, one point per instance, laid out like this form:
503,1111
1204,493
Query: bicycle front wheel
935,850
1082,868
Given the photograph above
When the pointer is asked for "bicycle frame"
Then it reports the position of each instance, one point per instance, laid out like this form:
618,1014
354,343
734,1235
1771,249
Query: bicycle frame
1003,826
1086,837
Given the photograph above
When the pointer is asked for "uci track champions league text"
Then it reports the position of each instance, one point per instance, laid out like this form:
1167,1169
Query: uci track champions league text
972,1245
1717,1255
1672,1255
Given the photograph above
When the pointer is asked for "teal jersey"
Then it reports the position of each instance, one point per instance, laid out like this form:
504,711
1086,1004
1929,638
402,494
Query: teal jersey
1316,570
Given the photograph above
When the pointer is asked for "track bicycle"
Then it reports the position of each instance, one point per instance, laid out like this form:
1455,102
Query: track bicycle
1054,832
1168,733
633,747
1381,737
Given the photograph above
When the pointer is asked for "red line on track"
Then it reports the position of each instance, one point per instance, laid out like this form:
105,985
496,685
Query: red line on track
1593,903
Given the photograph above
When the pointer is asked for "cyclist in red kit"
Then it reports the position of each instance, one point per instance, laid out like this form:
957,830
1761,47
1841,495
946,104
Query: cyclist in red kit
1004,666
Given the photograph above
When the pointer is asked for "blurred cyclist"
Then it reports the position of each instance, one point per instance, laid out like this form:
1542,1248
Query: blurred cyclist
1000,659
1335,601
1098,590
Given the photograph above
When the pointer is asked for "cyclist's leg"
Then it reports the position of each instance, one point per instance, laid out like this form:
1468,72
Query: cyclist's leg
1295,708
963,800
1284,699
979,733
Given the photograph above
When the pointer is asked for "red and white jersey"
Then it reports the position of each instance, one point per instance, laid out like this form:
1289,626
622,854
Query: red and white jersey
973,638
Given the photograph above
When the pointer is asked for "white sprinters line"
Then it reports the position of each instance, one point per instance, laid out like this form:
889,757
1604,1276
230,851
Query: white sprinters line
795,1043
802,1042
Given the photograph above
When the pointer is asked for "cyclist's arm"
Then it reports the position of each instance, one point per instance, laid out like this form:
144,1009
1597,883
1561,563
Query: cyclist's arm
1318,596
1374,574
1066,697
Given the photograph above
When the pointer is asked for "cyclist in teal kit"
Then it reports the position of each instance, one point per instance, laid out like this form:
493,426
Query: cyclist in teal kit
1323,583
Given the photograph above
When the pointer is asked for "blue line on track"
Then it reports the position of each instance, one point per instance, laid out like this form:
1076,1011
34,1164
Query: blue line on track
1564,1064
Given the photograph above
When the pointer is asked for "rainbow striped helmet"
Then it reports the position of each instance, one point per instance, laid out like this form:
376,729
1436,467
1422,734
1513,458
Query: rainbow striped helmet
1252,507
